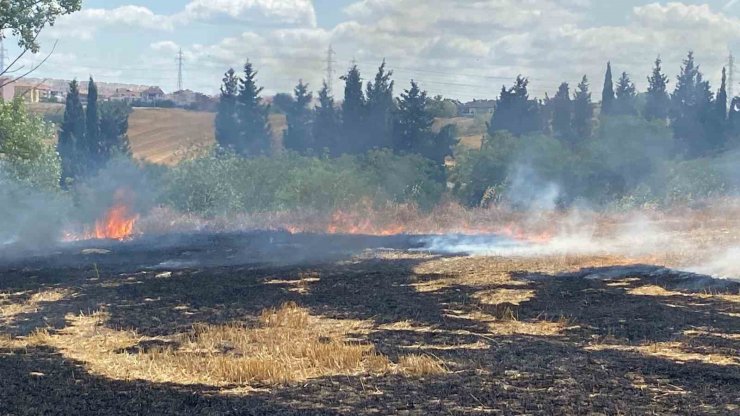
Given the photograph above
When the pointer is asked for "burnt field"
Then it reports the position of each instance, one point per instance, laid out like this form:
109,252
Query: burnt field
276,323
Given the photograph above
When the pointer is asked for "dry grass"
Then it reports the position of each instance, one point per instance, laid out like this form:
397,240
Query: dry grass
657,291
420,365
675,351
288,345
11,308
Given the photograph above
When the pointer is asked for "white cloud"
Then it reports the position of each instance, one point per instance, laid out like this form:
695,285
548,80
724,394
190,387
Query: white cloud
86,22
300,12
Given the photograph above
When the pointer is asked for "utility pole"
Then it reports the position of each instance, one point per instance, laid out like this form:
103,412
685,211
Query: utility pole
179,70
330,69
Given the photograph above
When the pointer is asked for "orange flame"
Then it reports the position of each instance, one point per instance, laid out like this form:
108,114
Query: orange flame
118,223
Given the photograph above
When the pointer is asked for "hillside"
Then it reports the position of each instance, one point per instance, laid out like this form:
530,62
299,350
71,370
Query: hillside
164,135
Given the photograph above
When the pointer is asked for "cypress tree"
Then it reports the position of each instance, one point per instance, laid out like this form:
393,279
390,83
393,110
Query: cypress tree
607,95
72,136
353,108
298,135
658,102
92,130
583,112
254,126
227,121
626,94
379,109
413,127
562,113
721,100
326,125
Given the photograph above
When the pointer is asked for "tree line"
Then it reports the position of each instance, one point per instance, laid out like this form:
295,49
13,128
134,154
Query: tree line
369,117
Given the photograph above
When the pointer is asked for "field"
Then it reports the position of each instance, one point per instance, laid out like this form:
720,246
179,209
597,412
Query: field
165,136
210,324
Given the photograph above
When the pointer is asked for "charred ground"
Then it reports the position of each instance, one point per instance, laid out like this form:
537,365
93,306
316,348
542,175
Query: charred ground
555,335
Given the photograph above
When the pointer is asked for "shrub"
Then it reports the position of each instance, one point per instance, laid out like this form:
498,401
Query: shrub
223,183
27,152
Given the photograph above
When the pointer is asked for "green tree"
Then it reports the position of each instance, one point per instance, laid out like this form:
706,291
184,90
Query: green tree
326,125
658,101
227,121
583,112
25,152
515,112
92,126
299,134
414,123
690,109
26,18
379,108
562,113
353,112
733,121
72,136
625,103
254,126
607,95
721,100
440,107
113,131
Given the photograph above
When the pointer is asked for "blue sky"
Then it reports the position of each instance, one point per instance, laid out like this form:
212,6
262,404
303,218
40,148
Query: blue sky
459,48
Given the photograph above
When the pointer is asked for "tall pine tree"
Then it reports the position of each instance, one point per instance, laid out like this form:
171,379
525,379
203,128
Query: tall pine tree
72,136
253,116
562,113
658,102
414,124
583,112
227,119
326,127
380,107
353,113
607,95
691,103
515,112
299,134
625,104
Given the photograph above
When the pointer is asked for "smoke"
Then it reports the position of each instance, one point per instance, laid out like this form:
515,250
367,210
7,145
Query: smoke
724,265
529,191
30,218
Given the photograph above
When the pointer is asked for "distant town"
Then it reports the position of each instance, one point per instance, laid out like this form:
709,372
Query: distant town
34,91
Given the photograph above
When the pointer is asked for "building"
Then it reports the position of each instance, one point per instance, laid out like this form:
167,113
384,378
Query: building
152,95
183,98
125,95
6,89
478,108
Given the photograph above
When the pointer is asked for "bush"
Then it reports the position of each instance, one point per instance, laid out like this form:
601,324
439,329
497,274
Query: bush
27,152
223,183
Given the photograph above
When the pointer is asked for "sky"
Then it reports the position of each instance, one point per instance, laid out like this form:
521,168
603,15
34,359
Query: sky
462,49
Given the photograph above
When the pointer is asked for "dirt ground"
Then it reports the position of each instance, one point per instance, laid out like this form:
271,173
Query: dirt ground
100,331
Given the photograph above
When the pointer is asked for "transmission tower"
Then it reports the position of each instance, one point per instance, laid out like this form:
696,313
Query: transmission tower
179,70
731,78
3,51
330,69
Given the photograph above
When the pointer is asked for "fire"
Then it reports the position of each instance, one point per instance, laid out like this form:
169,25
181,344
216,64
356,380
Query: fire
118,223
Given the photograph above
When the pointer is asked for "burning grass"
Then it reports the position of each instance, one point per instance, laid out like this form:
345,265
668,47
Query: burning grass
287,345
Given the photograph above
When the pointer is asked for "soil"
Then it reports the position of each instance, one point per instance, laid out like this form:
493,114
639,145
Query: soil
544,336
